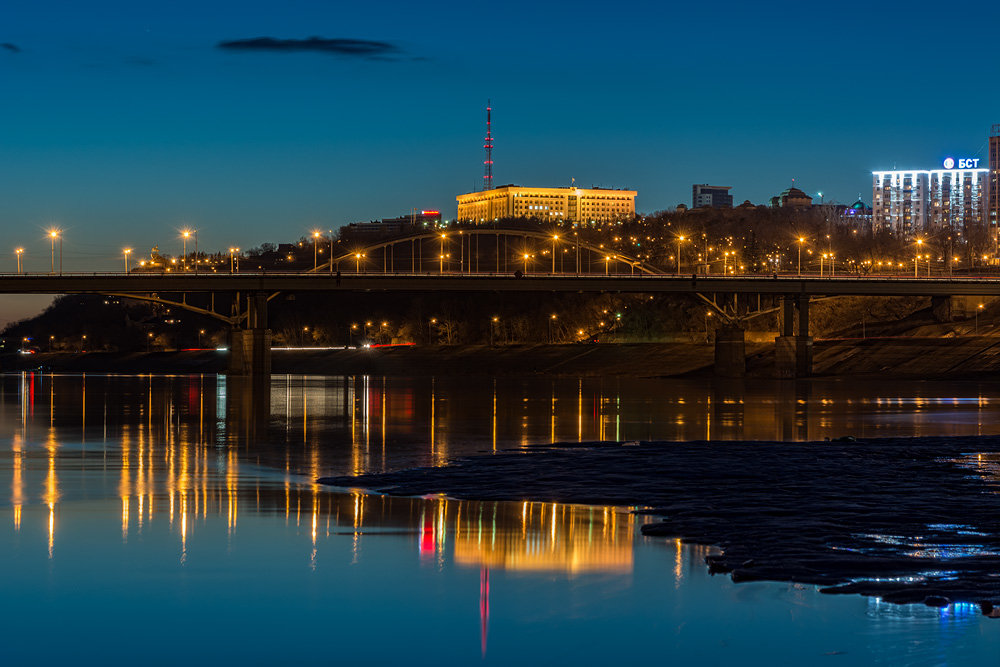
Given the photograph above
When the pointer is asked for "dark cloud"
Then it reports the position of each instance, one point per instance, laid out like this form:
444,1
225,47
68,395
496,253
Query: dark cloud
354,48
13,48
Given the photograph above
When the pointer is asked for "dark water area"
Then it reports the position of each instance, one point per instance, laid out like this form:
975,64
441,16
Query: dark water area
145,508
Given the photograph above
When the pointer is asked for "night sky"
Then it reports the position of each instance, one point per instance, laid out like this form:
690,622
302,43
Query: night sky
123,122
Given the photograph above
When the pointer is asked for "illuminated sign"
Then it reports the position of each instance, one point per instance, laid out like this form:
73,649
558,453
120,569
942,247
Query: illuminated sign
962,163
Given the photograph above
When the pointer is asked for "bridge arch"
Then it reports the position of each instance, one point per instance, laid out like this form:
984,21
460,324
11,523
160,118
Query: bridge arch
554,239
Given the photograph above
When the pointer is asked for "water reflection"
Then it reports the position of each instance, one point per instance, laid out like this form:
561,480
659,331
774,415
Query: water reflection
190,475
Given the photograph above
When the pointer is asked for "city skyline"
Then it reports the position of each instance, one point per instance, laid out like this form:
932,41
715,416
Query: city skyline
257,123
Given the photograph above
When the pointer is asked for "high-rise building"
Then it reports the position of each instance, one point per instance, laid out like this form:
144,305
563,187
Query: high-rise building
916,201
716,196
993,181
574,205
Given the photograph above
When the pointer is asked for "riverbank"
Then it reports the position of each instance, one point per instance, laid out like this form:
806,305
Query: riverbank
907,520
927,353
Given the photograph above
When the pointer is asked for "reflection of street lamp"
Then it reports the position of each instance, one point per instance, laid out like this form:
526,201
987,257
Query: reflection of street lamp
350,334
552,319
493,323
708,314
980,307
430,334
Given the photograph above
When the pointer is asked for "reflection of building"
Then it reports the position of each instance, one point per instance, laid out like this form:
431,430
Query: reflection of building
544,536
993,184
791,198
575,205
911,202
715,196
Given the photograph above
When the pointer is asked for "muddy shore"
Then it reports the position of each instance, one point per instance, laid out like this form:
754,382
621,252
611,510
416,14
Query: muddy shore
908,520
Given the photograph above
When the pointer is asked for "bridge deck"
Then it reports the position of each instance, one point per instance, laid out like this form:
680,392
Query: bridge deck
144,283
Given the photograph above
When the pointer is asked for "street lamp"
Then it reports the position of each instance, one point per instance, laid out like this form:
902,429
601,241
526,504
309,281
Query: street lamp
316,236
526,256
233,262
607,261
555,237
920,242
126,252
18,252
441,255
185,234
350,334
801,241
680,239
53,235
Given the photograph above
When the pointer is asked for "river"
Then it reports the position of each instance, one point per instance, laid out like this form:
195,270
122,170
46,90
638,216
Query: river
176,518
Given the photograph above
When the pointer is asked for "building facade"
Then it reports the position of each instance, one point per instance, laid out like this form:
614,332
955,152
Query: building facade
573,205
918,201
993,183
791,198
715,196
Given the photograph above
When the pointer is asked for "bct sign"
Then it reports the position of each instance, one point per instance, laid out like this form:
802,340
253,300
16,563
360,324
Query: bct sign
961,163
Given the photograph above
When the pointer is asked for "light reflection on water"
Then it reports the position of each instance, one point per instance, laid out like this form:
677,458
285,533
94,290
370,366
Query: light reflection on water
192,497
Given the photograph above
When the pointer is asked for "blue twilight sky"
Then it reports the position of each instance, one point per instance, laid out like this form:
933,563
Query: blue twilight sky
122,121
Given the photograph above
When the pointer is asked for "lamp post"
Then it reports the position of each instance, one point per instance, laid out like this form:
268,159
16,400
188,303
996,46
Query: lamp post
232,259
18,252
916,258
526,256
126,252
357,262
185,234
821,260
330,232
53,235
680,239
316,236
441,256
607,262
555,237
350,334
801,241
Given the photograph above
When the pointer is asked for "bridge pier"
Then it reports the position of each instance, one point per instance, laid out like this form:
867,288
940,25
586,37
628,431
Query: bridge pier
793,353
250,348
730,352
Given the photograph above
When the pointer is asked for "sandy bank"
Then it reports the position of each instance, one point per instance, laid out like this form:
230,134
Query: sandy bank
909,520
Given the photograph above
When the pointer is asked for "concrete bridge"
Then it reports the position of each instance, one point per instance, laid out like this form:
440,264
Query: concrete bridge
250,340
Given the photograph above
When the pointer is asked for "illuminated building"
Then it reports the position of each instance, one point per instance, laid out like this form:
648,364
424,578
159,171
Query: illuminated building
715,196
414,221
993,184
573,205
915,201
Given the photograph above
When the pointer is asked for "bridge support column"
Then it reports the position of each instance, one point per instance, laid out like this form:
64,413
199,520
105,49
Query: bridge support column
250,348
793,353
730,352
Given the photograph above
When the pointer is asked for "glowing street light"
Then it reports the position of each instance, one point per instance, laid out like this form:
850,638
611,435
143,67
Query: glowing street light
53,235
555,237
18,252
185,235
526,257
607,262
920,242
801,241
680,239
316,237
126,252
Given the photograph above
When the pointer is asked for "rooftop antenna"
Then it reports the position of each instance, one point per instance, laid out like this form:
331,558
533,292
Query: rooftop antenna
488,145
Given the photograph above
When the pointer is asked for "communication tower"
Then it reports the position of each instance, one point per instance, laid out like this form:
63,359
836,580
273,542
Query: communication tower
488,145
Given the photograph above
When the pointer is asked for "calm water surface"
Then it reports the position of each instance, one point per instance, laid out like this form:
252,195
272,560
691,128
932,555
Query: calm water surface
169,519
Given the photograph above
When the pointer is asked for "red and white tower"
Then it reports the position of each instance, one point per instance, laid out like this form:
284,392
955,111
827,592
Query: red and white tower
488,145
